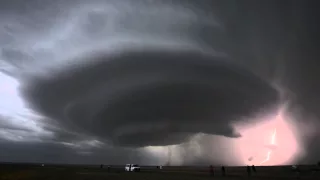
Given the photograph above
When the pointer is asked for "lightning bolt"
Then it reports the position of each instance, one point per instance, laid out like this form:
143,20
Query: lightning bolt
273,141
273,138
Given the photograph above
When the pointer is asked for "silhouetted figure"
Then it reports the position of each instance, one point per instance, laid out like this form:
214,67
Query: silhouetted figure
249,170
211,170
318,163
101,166
254,169
223,169
108,168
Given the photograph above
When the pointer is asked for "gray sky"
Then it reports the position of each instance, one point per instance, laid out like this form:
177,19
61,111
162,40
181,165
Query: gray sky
101,80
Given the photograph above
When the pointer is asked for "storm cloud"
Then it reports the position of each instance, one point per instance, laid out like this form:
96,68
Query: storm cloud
88,77
59,154
152,97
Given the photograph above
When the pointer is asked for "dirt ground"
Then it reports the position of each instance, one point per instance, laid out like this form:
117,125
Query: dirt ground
64,172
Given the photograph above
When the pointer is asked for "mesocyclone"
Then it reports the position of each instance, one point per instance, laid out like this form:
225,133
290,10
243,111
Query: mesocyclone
133,78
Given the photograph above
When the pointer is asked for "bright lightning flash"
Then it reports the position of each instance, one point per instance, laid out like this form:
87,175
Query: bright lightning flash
273,139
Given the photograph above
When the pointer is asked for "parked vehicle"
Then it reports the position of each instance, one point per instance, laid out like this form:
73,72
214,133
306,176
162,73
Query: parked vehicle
132,168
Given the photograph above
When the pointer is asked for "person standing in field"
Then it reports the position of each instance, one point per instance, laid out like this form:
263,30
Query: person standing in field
223,169
249,170
254,169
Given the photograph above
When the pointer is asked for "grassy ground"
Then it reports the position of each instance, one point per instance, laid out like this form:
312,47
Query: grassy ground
36,172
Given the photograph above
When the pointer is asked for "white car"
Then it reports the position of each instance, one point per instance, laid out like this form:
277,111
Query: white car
132,168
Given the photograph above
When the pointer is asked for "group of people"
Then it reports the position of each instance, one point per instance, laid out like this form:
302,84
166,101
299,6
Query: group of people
223,170
249,170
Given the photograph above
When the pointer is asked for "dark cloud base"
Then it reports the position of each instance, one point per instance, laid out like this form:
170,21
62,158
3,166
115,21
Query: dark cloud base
151,97
274,44
56,153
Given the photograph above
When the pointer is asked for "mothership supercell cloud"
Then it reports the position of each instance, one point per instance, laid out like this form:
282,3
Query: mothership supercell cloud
132,74
151,97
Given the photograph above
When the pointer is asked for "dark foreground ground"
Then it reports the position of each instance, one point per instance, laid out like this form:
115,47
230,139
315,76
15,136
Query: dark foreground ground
69,172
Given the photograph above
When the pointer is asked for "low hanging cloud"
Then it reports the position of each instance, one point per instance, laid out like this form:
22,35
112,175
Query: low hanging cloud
140,78
48,152
151,97
87,78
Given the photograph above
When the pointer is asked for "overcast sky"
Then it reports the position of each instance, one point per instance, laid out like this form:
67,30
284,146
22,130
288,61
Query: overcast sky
159,81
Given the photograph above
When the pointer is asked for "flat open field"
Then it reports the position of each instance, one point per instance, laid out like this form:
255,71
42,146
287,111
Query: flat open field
66,172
